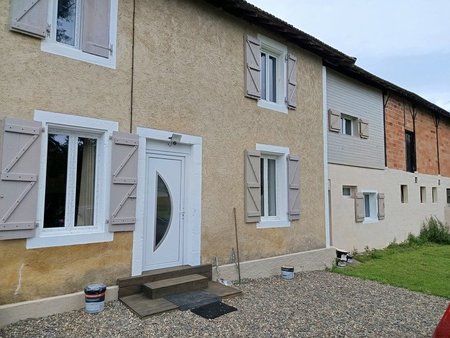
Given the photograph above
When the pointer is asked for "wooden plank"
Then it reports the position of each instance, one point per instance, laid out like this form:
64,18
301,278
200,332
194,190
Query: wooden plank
175,285
222,290
144,307
154,275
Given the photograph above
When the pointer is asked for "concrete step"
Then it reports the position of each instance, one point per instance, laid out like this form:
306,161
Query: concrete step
161,288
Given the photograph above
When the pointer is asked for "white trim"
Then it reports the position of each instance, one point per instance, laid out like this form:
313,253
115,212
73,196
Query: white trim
281,220
325,159
50,45
373,206
193,146
279,51
61,237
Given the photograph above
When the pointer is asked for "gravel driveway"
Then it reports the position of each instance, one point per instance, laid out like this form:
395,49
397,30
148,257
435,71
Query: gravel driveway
314,304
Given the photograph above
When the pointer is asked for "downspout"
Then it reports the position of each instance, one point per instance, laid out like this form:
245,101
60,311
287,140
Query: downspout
132,67
385,102
326,185
413,111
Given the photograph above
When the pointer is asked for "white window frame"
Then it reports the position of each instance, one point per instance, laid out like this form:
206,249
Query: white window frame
50,45
353,128
279,51
281,220
84,126
352,189
373,201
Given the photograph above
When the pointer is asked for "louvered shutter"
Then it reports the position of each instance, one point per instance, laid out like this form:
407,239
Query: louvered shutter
29,17
334,121
252,186
20,153
291,81
95,37
363,129
359,207
381,211
293,187
252,50
124,181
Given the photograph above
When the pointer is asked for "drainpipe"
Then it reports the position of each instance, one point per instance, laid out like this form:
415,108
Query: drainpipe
386,99
437,120
326,185
132,67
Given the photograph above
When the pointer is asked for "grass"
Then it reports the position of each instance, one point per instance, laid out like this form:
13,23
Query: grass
423,268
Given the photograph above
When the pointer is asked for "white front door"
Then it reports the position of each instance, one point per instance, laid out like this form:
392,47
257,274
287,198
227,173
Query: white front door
164,211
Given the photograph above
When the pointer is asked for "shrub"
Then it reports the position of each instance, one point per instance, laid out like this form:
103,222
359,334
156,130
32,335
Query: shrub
434,231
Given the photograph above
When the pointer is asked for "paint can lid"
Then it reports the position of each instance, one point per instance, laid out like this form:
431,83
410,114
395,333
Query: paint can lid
95,288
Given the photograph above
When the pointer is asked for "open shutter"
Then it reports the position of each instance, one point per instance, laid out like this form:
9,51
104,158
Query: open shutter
291,99
363,129
381,212
359,207
20,153
334,120
294,187
96,16
124,181
252,186
29,17
252,48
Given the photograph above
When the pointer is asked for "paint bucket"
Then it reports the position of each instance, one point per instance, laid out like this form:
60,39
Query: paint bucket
287,272
94,295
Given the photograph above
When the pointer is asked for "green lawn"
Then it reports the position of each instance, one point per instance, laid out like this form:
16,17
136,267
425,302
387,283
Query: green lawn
424,268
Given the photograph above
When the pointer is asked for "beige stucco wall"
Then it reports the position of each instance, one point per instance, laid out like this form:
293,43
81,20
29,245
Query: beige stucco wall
189,75
31,79
401,218
190,79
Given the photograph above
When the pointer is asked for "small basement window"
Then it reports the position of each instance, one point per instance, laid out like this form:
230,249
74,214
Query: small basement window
448,196
434,194
348,190
423,194
404,193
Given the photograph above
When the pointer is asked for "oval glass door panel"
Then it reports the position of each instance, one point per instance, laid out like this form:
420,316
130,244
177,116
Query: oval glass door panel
163,212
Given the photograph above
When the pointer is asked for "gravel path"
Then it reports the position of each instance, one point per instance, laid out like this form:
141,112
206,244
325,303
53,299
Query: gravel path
314,304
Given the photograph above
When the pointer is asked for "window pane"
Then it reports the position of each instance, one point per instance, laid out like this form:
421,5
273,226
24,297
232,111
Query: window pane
66,22
262,187
85,189
56,180
271,186
272,79
263,76
163,212
367,205
348,126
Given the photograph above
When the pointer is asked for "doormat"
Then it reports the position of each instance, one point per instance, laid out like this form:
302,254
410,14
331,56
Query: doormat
192,299
213,310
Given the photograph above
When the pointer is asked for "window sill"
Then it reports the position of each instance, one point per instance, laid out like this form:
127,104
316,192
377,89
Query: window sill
267,224
273,106
48,240
73,53
370,220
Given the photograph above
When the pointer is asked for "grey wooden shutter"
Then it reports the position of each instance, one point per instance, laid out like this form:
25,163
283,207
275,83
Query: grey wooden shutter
20,153
359,207
124,181
29,17
291,98
252,48
293,187
96,19
381,211
334,120
363,129
252,186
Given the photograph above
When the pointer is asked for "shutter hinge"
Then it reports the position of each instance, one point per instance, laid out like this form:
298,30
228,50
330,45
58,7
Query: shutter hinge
48,30
111,48
106,221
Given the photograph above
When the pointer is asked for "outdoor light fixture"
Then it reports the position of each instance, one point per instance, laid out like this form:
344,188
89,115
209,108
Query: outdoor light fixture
174,139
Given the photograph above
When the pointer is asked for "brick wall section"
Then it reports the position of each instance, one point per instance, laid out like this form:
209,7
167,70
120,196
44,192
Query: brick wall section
444,147
398,118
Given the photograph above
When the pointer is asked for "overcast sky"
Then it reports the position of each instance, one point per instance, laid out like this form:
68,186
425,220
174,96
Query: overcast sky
406,42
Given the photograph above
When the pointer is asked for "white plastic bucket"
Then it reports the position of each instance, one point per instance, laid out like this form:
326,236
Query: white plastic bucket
287,272
94,295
